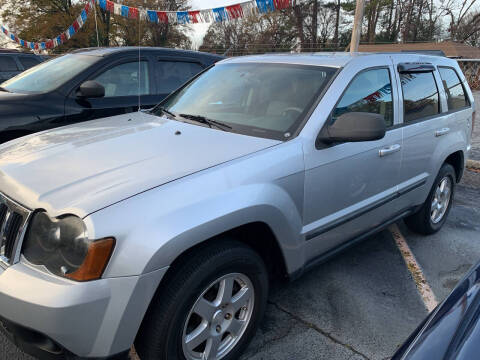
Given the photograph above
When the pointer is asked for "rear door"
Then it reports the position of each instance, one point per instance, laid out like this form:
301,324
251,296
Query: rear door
423,124
8,67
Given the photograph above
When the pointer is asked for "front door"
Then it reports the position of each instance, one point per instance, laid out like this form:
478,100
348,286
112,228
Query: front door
352,187
127,87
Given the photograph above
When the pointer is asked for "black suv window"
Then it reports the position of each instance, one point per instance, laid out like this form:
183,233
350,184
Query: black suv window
122,79
454,90
420,96
28,61
7,63
370,91
173,74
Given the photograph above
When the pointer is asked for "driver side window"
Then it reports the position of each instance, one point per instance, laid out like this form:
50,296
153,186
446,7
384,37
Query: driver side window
122,80
370,91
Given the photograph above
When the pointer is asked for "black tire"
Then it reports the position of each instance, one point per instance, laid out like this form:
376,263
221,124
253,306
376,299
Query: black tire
161,334
421,222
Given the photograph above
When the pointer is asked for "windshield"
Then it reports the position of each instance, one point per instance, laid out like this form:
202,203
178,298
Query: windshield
265,100
49,75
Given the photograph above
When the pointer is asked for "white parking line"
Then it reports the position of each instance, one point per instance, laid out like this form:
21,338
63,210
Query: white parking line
423,288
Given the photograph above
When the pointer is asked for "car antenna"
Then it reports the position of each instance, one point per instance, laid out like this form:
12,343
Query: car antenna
139,66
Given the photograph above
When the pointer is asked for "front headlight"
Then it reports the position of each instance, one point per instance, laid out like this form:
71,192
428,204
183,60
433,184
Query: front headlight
62,246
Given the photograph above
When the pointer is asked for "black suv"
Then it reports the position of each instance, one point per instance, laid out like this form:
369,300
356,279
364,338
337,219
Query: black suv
13,62
93,83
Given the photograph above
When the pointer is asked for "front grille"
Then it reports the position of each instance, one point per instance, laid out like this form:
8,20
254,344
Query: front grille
13,218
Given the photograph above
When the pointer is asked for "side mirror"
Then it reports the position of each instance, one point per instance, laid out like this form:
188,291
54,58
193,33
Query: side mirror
354,127
91,89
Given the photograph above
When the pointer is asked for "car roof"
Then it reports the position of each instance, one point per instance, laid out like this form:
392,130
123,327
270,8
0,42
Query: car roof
334,59
104,52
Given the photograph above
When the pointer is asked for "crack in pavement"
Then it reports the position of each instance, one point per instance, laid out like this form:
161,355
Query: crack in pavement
320,331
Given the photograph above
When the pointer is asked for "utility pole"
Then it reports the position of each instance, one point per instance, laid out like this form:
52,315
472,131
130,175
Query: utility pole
357,25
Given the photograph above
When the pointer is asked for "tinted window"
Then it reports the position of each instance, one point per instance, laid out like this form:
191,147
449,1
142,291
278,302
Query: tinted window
453,89
7,63
174,74
265,100
49,75
122,80
28,62
420,96
371,92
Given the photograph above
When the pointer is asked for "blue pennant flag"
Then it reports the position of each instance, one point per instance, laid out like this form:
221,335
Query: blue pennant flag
182,17
125,11
84,15
265,6
59,40
103,4
152,16
12,37
220,14
22,42
43,46
71,30
32,45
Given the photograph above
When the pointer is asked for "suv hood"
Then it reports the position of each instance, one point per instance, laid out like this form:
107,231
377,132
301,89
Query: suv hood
84,167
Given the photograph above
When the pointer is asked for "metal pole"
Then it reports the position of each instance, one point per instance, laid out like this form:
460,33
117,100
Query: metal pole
357,25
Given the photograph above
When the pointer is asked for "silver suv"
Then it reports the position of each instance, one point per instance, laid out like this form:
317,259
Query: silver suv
162,229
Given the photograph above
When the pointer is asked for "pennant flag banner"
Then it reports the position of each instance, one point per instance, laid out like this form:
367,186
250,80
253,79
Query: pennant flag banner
60,39
219,14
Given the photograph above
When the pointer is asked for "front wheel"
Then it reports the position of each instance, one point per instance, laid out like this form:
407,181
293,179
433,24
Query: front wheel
209,308
433,213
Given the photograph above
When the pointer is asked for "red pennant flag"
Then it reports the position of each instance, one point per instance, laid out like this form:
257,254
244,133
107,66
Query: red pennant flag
132,13
87,8
194,16
16,39
49,44
63,37
234,11
36,46
162,17
281,4
76,25
110,6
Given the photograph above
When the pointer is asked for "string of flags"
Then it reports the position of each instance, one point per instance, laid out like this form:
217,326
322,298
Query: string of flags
58,40
219,14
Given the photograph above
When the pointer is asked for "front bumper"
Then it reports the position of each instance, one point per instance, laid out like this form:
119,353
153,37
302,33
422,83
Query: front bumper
71,320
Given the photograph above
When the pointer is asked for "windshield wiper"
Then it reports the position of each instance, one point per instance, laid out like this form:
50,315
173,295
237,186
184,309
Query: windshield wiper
167,112
204,120
3,89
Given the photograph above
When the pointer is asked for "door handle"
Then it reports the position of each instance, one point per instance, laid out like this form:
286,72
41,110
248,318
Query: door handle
389,150
441,132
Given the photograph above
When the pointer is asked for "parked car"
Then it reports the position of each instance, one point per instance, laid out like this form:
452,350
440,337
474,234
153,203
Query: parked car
13,62
93,83
163,228
452,330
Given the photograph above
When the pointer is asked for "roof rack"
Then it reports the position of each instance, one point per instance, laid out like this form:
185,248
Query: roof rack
426,52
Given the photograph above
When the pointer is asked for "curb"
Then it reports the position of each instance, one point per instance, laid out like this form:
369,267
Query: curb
473,164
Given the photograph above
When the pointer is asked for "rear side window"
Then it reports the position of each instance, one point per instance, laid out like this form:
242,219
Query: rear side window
28,61
7,63
173,74
454,90
371,92
420,96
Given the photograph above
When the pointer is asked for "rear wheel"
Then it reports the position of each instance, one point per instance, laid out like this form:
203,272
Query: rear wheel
209,308
433,213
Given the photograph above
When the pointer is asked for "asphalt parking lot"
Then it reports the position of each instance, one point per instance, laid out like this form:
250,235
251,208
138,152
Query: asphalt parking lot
364,303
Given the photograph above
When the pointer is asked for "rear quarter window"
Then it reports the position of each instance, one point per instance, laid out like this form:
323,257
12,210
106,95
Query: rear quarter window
28,61
420,96
7,63
454,90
